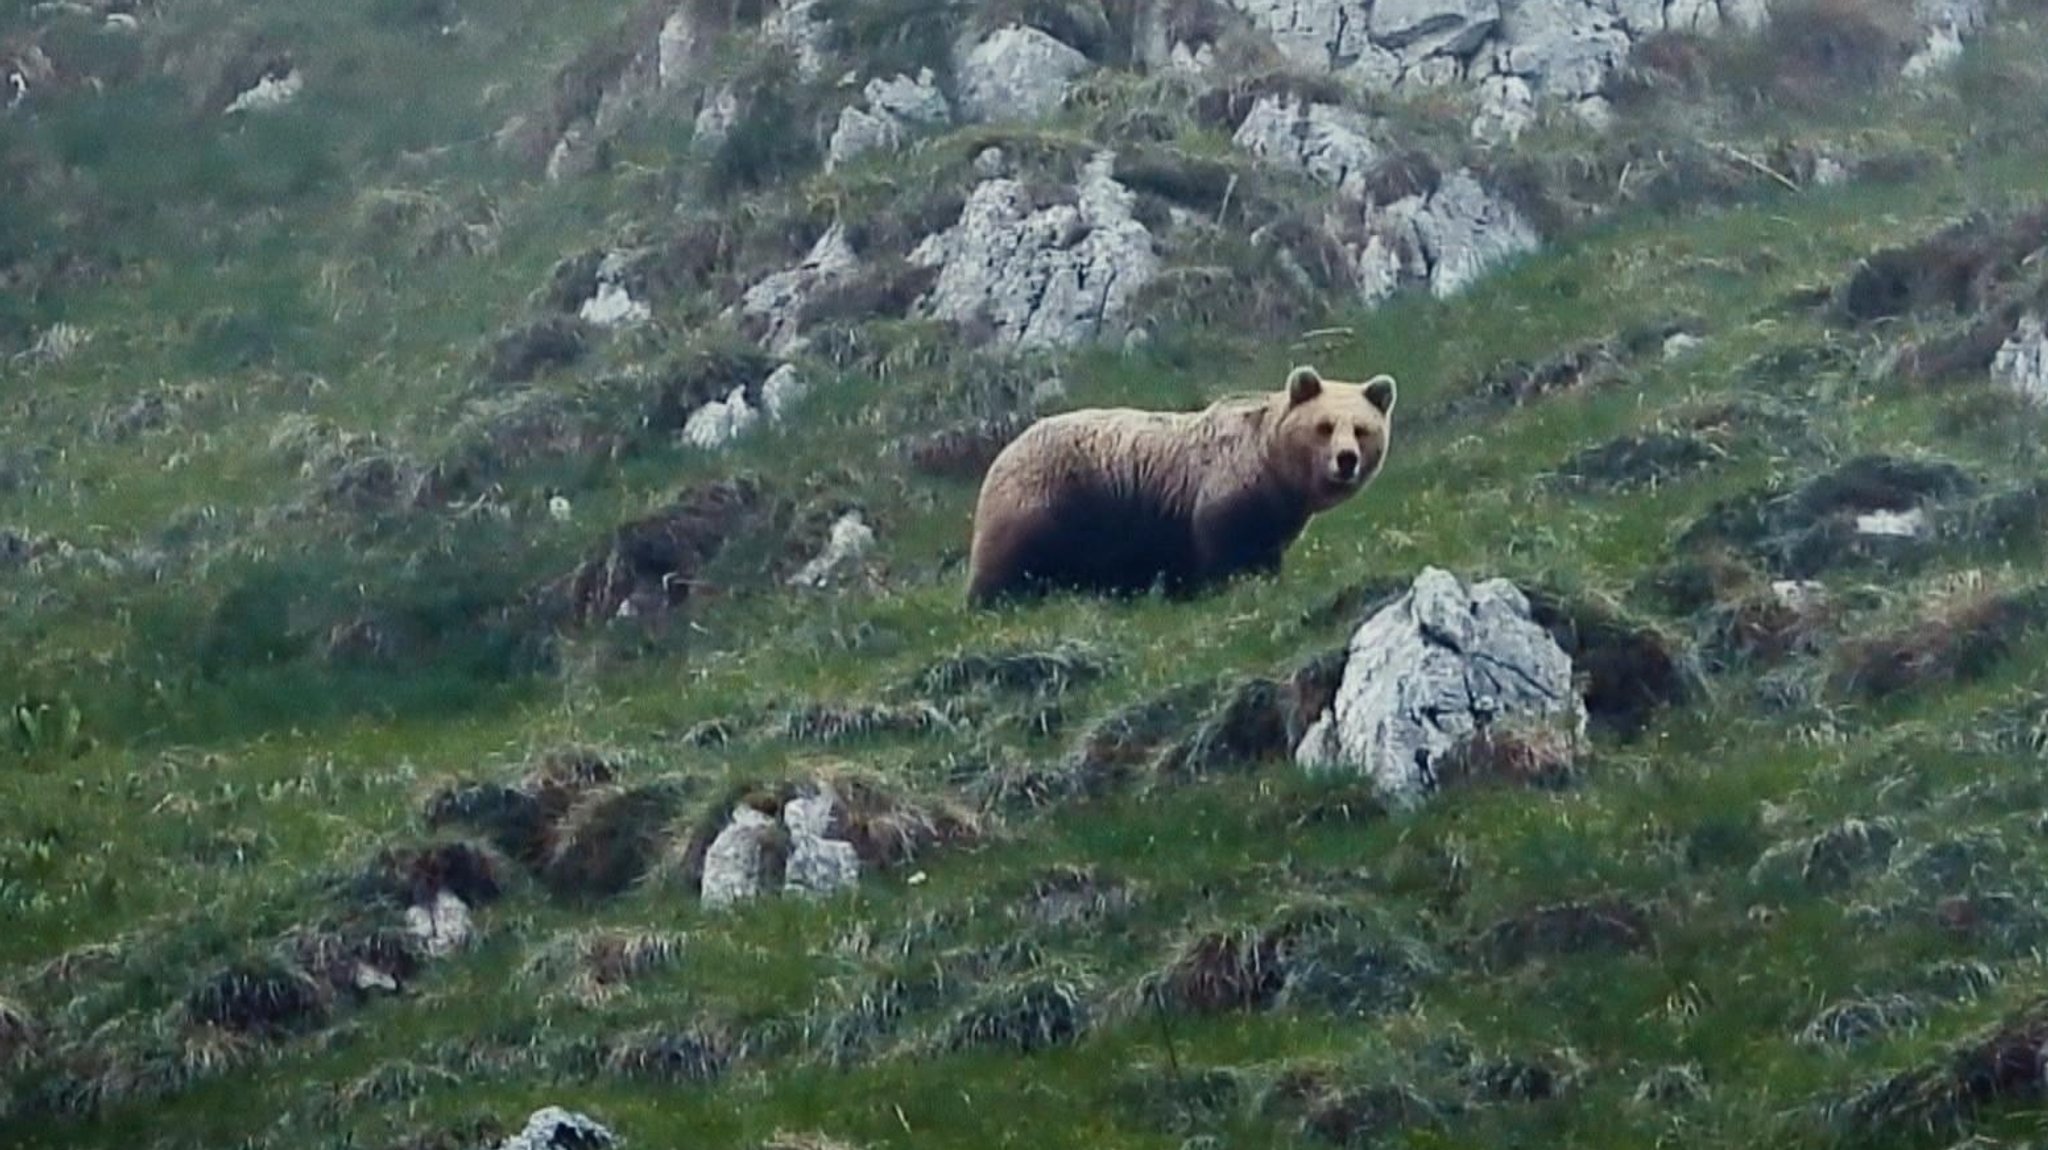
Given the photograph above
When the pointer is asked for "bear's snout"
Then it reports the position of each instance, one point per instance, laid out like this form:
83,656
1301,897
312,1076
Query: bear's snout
1347,464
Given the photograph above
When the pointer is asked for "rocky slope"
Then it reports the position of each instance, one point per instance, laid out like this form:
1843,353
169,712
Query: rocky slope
482,498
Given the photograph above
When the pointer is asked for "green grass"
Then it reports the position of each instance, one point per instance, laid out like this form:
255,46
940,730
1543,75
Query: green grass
235,779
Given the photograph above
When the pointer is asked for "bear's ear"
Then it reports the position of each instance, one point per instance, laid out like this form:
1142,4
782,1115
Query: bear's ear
1303,384
1379,391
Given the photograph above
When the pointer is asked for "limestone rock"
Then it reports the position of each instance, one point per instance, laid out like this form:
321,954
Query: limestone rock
1442,239
818,865
734,863
1332,145
554,1128
894,108
1431,670
721,421
777,301
613,305
2021,364
850,541
1017,73
1051,277
442,925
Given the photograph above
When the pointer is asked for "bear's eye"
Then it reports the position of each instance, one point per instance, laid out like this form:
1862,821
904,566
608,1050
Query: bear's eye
1325,428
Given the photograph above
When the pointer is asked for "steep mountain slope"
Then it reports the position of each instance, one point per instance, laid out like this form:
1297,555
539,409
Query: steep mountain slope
483,490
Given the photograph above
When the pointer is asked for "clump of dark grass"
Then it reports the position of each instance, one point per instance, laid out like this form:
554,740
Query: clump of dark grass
609,839
1562,929
262,998
1955,640
1996,1070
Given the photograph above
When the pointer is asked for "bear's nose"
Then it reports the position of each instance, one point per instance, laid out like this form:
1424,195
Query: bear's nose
1347,463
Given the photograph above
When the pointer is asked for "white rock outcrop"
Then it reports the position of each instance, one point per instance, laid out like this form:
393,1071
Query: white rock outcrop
442,925
738,863
777,301
1330,144
850,541
1016,73
554,1128
1441,239
1429,671
890,111
2021,364
612,305
1047,277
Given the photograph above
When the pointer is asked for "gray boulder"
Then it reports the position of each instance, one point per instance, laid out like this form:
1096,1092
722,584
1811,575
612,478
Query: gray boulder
777,301
792,852
2021,365
1441,240
893,109
1431,670
1330,144
1055,276
1017,73
554,1128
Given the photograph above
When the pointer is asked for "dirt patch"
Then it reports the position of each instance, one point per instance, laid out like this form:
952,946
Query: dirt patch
1224,971
1258,721
1517,383
1512,753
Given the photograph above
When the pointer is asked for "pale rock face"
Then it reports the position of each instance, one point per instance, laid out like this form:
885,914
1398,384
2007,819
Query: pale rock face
442,925
850,541
554,1128
1017,73
1053,277
721,421
1331,145
779,298
2021,364
268,94
613,306
895,108
1429,671
735,859
818,864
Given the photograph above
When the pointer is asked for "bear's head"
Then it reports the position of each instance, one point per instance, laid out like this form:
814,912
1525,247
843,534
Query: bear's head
1332,436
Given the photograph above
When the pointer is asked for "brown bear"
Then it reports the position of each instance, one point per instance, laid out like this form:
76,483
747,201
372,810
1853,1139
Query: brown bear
1117,500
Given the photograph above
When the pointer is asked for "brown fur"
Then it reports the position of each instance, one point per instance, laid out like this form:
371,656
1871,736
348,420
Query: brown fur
1116,500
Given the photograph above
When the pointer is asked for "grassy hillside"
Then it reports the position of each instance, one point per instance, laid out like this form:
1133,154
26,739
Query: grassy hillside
285,598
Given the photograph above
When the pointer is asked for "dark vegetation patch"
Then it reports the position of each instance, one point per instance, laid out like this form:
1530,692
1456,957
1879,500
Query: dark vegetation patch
609,839
844,722
1339,1111
1611,925
264,998
1819,50
1053,671
1511,753
1959,271
1818,525
1322,958
695,1055
526,352
522,820
1257,721
1225,106
1079,896
654,564
1630,668
411,876
776,135
704,371
1834,857
1035,1013
1635,461
1997,1071
1953,642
